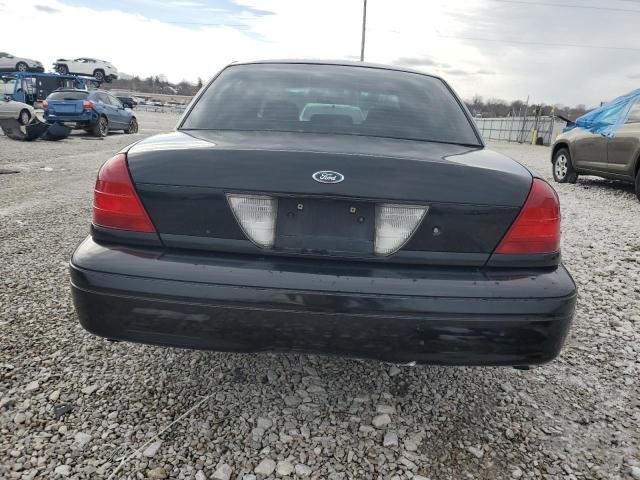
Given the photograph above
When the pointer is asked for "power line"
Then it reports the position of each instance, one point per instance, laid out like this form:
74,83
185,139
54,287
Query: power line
519,42
205,24
566,5
543,44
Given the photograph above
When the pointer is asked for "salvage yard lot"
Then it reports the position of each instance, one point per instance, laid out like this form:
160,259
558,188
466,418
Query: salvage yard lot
77,405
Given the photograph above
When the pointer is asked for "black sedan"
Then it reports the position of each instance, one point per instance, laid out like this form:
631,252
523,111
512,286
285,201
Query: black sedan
336,208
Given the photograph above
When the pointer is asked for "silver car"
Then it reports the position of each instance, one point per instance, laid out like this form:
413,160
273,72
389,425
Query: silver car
12,110
10,63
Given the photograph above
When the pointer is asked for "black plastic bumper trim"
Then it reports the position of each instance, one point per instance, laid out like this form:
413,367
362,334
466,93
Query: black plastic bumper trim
382,316
110,235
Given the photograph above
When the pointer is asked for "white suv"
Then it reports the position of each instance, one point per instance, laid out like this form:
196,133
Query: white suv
99,69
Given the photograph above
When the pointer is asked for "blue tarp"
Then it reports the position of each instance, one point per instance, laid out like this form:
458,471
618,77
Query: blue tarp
606,119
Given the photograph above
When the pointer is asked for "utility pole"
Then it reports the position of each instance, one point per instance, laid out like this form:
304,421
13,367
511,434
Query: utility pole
364,30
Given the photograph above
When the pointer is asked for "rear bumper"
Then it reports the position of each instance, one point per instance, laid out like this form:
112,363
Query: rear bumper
246,304
83,119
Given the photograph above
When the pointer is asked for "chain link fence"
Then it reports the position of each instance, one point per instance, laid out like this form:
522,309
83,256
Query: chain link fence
533,129
161,108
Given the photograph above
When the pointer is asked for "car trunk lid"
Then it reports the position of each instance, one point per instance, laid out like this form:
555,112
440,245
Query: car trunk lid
61,107
470,195
66,102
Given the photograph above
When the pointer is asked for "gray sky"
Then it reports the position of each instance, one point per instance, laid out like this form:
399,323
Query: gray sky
556,51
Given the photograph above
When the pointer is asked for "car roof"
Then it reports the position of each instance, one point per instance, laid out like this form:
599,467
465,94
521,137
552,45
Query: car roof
82,90
344,63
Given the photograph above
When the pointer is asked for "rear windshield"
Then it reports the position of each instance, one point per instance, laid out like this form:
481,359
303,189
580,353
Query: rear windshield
68,96
331,99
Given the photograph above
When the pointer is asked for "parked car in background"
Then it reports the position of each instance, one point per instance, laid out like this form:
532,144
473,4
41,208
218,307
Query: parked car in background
99,69
392,233
95,111
604,142
128,101
12,110
10,63
125,97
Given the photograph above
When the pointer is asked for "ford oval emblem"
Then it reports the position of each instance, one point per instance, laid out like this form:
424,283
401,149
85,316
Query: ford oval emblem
327,176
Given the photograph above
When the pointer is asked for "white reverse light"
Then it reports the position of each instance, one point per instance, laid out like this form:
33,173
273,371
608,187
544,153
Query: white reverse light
256,215
395,224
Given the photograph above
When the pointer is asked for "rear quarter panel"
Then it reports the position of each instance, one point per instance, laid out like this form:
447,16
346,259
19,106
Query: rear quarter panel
101,109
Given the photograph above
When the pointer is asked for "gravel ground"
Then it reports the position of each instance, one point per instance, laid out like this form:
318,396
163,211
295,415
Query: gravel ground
76,406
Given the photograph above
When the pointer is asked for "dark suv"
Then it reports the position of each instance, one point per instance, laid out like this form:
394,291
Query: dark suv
127,100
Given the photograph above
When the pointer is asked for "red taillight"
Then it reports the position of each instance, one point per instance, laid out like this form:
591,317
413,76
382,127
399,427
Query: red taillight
88,105
115,202
537,228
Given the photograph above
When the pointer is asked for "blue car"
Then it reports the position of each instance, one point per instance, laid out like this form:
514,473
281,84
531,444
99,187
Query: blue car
95,111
